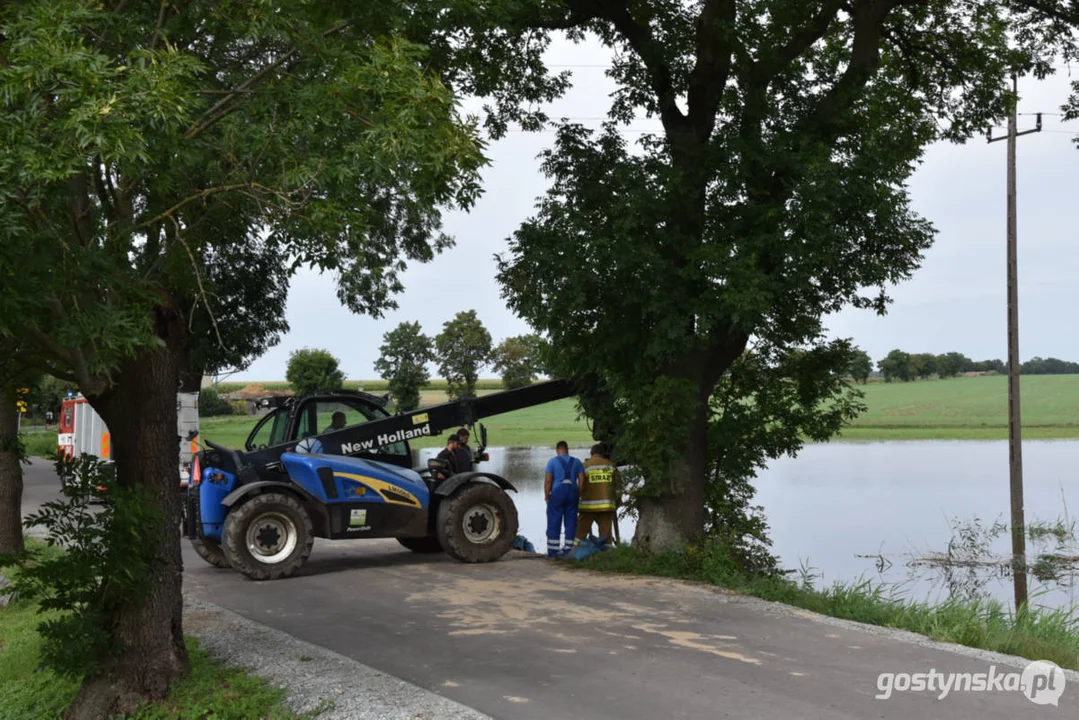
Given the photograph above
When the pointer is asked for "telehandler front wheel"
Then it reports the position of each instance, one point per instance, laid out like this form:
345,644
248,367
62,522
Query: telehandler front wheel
477,523
211,552
268,537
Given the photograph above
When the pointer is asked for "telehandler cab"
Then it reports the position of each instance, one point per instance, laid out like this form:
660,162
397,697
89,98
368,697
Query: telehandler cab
302,476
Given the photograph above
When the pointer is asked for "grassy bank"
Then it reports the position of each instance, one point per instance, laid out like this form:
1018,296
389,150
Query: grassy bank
209,690
1038,635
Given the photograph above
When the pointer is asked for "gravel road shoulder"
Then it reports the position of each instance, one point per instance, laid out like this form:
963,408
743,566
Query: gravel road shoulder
315,679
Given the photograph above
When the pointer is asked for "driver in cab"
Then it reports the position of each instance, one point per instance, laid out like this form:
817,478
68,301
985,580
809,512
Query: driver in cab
448,458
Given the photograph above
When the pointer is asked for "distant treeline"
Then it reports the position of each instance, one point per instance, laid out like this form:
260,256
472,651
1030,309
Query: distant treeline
900,365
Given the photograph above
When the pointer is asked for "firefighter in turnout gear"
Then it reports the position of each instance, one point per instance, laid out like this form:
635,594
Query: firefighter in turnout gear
600,493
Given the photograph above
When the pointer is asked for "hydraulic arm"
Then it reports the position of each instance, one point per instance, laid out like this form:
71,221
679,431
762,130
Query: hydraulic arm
429,421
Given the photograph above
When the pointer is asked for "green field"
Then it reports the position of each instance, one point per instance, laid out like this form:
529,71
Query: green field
968,408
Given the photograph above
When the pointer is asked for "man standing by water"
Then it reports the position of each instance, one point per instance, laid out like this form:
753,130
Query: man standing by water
562,480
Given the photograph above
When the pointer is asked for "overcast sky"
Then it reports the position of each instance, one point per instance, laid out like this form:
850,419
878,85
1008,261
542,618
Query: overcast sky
956,301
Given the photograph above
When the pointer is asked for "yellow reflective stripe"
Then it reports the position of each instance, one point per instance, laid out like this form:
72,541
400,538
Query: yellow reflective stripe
596,505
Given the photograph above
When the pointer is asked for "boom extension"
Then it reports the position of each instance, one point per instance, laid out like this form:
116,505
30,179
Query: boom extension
422,422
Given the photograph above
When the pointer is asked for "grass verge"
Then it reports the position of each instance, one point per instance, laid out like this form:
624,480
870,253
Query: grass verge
209,690
1036,635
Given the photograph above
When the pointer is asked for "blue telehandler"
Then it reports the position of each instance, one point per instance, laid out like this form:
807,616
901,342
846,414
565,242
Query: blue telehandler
338,465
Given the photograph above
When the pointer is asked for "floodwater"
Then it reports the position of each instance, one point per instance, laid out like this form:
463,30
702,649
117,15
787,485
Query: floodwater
895,502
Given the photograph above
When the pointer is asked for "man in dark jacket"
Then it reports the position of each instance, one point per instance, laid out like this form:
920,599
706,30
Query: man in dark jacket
464,452
448,456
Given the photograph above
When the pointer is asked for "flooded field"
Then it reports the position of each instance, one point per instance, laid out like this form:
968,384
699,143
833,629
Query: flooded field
916,514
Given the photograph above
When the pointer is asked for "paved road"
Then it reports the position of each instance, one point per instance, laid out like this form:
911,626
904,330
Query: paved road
524,639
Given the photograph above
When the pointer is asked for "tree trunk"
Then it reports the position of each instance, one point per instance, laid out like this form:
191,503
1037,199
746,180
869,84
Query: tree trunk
140,411
677,519
11,540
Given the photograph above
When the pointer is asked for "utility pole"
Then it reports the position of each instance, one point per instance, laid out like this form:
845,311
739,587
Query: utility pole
1015,442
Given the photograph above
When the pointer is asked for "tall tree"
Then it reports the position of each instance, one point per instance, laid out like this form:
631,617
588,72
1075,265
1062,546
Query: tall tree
463,348
517,360
312,370
861,366
896,365
11,478
165,168
774,194
405,352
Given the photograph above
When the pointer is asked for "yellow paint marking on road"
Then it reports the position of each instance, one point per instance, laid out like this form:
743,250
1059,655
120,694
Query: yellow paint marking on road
515,699
696,641
450,683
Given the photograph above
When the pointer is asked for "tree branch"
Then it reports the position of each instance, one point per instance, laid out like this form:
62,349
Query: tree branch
806,36
868,19
644,44
709,76
79,207
223,107
201,195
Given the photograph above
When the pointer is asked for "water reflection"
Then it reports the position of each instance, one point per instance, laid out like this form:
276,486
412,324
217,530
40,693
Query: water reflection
851,510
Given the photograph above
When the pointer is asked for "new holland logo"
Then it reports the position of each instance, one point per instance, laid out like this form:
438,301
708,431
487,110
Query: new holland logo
386,439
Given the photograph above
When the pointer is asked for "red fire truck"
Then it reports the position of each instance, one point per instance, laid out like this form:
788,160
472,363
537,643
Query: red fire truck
83,432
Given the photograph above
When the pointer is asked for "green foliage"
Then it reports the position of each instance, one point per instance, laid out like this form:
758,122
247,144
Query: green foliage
896,366
405,352
518,360
1048,366
774,195
208,691
40,444
951,364
110,560
463,348
147,169
861,365
900,365
313,370
211,403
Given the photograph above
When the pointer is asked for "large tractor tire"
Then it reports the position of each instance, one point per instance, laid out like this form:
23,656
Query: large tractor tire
211,552
478,523
268,537
421,544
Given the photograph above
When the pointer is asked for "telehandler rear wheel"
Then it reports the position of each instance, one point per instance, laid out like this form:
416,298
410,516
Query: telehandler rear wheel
211,552
421,544
268,537
477,523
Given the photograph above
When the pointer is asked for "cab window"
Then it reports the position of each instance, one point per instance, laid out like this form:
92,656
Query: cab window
322,416
271,430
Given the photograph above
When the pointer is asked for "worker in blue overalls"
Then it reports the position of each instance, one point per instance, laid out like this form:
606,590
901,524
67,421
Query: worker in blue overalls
562,483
